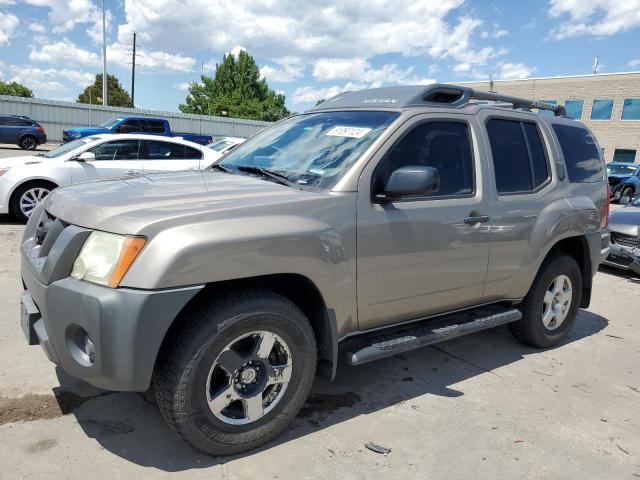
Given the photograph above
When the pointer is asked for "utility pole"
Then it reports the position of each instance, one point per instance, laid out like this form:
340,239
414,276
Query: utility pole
133,74
595,65
104,57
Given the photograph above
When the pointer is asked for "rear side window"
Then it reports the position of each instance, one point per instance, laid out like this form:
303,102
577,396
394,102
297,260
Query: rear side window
580,154
17,122
519,158
171,151
153,126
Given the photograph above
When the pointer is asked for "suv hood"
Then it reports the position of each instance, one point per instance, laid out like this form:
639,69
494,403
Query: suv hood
625,220
148,203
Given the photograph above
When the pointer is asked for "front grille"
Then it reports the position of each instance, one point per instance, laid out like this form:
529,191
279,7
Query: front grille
630,241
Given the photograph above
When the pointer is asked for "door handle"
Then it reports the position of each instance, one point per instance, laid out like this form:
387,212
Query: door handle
476,219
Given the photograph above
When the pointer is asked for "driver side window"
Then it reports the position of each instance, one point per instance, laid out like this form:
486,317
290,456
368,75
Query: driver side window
445,146
117,150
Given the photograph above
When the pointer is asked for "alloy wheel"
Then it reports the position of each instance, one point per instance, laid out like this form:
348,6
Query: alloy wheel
249,377
31,198
557,302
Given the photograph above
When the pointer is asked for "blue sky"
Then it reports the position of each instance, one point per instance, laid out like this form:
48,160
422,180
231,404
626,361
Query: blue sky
311,50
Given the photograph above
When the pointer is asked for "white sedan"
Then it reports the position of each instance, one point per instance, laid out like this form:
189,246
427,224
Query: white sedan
26,181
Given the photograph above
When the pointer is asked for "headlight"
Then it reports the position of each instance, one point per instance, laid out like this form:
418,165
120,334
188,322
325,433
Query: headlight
106,257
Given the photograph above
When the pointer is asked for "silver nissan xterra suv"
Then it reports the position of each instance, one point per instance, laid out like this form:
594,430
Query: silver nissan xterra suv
378,222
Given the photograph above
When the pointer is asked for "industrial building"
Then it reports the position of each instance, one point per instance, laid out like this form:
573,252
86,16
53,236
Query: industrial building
609,104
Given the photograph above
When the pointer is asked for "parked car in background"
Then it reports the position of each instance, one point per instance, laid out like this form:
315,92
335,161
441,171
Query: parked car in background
26,181
624,226
618,173
379,222
21,131
629,187
225,144
151,126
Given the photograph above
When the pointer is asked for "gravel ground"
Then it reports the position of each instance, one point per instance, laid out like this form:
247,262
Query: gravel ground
483,406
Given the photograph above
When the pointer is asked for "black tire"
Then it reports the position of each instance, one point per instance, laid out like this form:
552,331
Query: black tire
627,192
531,329
28,142
182,374
14,202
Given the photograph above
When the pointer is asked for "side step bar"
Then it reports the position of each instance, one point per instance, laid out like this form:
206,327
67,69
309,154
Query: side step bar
429,332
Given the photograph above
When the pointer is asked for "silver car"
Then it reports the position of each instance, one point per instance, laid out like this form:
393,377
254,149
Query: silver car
380,221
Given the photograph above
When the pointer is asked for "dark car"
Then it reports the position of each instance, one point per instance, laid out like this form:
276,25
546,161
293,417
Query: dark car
22,131
624,226
619,173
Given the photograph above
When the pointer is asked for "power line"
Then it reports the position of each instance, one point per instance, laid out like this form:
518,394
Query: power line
133,72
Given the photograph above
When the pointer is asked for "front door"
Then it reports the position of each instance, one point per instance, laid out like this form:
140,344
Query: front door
424,255
115,158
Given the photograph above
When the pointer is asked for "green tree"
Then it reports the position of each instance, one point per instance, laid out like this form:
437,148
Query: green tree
236,90
117,96
319,102
15,89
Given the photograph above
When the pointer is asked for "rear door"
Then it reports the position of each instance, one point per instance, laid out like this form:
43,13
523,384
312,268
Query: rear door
424,255
519,147
162,156
115,158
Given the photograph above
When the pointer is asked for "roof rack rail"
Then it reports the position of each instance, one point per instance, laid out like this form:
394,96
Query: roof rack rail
437,94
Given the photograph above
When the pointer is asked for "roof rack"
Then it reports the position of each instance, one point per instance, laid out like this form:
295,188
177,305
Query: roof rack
437,94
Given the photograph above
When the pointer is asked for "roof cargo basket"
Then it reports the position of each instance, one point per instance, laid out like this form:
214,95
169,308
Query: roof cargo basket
437,94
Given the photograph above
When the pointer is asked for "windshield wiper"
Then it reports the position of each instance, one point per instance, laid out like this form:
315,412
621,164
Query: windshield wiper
275,176
222,168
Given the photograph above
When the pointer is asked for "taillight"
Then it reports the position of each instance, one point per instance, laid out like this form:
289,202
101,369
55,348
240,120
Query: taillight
39,129
607,207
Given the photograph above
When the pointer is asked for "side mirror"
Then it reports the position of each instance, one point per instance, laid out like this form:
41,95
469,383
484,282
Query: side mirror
410,181
86,157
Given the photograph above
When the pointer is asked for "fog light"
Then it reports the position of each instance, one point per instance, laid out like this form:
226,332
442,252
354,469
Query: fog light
80,345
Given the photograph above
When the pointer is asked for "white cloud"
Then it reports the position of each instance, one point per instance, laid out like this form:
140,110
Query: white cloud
634,63
339,68
8,23
49,80
65,14
37,27
7,2
514,71
149,60
310,94
594,17
288,69
62,53
303,29
183,85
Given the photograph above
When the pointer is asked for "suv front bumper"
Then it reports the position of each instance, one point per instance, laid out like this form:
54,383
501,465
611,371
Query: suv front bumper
109,338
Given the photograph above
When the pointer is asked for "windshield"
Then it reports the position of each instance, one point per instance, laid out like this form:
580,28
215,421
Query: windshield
314,149
110,123
220,145
621,169
69,147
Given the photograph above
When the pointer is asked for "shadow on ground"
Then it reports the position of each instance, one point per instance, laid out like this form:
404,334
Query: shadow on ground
619,272
129,425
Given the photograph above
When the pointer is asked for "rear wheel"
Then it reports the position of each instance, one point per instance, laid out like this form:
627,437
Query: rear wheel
28,142
627,192
551,306
27,197
238,372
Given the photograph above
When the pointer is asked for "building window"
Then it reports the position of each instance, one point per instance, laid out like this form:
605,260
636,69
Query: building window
574,108
631,109
602,109
547,113
621,155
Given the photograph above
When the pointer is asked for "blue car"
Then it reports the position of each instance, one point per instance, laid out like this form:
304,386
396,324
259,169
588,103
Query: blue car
153,126
21,131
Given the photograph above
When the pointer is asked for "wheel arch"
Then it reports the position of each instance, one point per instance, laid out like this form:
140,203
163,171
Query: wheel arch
29,181
576,247
297,288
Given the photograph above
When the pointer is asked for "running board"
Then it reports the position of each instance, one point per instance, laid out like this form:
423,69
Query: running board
429,332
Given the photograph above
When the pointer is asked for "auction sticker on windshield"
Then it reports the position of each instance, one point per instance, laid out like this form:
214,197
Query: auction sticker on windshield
351,132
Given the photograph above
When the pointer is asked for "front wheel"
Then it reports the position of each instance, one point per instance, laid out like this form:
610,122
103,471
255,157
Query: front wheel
27,197
551,306
628,193
238,373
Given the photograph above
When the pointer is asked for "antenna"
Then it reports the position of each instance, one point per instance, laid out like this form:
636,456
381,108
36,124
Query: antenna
595,65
